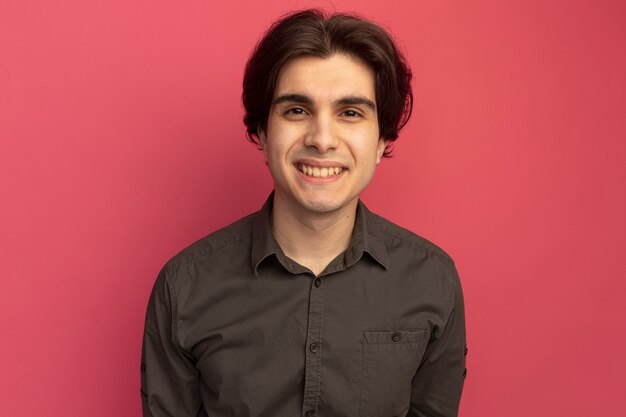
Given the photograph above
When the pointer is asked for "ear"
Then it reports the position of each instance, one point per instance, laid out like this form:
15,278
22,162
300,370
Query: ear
382,145
263,140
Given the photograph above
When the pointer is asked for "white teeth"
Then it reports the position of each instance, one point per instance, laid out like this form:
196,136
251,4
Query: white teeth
319,172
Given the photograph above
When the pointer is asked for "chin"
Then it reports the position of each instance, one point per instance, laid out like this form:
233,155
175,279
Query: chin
321,207
324,205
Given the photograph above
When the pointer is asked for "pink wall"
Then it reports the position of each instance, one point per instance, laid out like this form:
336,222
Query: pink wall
121,142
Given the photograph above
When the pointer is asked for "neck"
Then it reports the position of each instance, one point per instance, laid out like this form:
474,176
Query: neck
310,238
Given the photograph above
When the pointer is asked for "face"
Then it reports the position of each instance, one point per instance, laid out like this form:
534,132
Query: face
322,139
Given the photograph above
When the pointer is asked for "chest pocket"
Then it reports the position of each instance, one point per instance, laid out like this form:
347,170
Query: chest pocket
390,360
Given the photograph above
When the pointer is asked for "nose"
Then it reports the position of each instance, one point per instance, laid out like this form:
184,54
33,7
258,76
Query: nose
322,134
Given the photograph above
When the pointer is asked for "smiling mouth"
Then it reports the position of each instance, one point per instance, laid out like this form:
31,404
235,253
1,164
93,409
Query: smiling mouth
317,172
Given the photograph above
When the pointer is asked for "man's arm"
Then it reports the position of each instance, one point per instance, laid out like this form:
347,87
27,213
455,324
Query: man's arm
169,379
438,382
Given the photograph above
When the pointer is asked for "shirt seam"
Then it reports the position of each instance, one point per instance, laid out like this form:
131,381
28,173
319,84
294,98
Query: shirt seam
451,296
173,306
429,248
172,281
186,259
410,238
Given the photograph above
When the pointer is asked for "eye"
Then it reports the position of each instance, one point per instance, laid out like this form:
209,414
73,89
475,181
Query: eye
351,113
295,111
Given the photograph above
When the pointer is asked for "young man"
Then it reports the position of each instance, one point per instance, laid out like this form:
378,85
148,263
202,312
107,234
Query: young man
312,306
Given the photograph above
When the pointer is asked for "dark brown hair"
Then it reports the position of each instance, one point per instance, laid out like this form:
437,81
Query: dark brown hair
311,33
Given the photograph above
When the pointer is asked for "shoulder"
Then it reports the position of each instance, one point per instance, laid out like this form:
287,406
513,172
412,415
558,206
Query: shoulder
397,236
427,265
235,236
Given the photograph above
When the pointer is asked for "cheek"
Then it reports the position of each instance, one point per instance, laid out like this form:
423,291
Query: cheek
275,149
277,155
279,138
366,155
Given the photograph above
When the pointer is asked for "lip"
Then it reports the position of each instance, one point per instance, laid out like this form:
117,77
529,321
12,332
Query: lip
319,164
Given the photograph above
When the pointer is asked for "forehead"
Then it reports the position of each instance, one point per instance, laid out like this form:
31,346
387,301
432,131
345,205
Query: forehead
326,78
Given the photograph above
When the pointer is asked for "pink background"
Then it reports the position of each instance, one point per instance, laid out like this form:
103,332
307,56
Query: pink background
122,142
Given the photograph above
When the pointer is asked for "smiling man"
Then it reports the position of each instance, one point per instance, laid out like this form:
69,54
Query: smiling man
322,145
313,306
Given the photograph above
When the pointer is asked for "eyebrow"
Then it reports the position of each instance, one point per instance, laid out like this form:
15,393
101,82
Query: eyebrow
356,100
292,98
303,99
